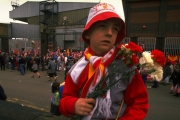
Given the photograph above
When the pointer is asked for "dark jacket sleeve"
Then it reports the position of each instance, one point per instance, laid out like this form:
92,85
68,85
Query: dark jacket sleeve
2,94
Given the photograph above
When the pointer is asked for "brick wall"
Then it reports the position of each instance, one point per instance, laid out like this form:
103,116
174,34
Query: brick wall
173,15
3,30
143,13
144,17
147,13
145,4
173,2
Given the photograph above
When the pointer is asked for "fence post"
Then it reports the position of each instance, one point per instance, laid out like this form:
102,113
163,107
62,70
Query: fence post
134,39
160,43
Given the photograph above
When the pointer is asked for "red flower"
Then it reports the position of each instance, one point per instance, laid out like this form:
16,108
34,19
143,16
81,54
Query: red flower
159,57
134,60
134,47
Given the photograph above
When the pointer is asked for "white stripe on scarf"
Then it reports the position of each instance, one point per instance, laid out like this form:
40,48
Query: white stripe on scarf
104,103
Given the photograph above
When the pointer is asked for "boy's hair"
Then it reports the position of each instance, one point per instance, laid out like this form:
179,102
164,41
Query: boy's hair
55,87
101,12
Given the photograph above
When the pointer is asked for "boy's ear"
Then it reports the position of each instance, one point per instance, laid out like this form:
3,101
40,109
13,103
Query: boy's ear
87,35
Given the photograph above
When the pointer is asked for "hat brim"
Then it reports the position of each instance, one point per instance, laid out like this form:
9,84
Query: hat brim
105,16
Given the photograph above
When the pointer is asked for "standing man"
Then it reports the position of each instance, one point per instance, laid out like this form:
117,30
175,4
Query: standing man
2,61
28,62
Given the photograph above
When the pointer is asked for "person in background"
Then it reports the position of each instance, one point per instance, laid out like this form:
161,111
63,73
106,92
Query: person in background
55,98
175,77
166,73
22,63
35,69
7,61
42,62
51,69
38,61
2,61
2,94
28,62
12,61
69,64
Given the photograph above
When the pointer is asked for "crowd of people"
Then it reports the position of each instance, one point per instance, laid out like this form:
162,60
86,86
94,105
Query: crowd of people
58,60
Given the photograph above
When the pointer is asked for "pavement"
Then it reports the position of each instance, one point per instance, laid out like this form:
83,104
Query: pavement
163,105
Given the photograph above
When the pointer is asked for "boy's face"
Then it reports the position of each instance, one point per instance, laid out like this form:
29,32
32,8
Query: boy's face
102,35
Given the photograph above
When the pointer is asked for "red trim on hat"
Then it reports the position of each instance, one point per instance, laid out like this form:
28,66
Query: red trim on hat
105,16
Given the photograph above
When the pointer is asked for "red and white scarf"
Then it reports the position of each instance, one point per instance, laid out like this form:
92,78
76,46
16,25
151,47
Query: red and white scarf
97,69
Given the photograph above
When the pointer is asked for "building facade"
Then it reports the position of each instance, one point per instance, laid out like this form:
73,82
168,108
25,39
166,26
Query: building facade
154,23
60,24
4,37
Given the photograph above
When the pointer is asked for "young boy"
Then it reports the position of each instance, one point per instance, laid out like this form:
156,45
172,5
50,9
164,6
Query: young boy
56,89
55,98
104,29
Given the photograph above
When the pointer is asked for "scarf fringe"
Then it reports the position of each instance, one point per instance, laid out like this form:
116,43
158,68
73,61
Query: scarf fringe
104,107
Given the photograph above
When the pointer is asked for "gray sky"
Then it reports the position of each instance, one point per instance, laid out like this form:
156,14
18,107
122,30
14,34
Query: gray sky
5,7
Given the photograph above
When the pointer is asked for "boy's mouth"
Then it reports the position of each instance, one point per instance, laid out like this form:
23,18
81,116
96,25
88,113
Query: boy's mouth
106,41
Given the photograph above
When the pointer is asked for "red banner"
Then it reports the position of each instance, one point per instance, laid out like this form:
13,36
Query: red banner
173,59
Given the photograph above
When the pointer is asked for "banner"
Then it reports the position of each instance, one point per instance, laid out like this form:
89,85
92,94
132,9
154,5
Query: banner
173,58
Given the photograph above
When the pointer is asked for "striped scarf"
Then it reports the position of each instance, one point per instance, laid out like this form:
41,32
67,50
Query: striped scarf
97,69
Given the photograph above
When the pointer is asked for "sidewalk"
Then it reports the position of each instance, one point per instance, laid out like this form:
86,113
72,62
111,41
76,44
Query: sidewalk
13,111
163,105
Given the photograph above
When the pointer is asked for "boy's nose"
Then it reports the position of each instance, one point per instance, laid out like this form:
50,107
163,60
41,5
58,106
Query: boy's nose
109,31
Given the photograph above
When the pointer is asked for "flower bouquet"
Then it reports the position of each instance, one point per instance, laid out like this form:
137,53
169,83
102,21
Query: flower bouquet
153,62
126,53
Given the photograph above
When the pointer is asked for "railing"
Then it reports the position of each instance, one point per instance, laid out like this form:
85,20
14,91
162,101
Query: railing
24,43
147,43
172,46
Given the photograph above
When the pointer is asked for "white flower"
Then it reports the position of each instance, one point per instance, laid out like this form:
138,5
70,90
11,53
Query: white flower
152,67
127,50
157,66
148,67
147,57
123,47
157,75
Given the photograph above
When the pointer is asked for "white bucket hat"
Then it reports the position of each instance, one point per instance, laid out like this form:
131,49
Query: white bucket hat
102,12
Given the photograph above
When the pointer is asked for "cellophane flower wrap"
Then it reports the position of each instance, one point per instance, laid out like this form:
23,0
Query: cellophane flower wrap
153,63
126,53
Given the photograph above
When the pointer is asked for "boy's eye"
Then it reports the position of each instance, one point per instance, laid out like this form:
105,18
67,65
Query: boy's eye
116,29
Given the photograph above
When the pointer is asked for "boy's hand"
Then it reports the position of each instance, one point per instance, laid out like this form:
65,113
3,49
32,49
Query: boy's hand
84,106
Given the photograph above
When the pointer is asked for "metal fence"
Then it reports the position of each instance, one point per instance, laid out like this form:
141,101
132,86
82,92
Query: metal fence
24,44
172,46
126,40
147,43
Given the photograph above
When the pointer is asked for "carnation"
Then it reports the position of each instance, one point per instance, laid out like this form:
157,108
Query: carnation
153,63
159,57
157,75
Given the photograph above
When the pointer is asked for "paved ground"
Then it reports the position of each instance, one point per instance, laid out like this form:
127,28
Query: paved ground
29,99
